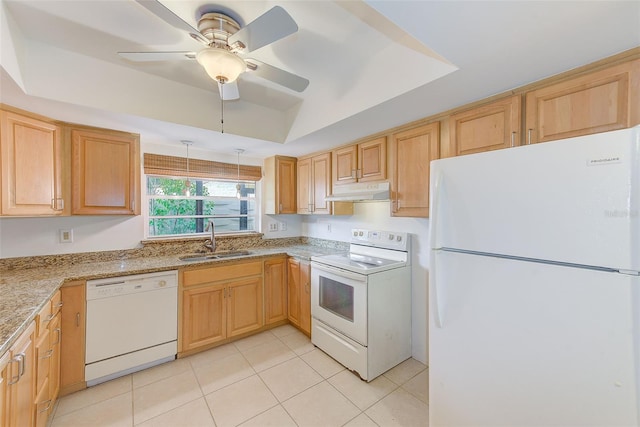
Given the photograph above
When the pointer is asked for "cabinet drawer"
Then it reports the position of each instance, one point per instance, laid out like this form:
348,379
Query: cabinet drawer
225,272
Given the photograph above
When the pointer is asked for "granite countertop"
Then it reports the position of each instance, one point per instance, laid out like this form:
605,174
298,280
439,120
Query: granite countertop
24,291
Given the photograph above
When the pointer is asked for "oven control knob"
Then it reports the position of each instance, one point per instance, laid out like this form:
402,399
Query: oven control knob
355,234
399,238
360,233
390,236
162,283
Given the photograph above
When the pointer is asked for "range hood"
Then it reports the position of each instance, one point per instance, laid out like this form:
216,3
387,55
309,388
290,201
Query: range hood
360,192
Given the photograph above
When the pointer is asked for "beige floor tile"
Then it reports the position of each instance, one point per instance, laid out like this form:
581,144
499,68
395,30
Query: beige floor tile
193,414
419,386
322,406
361,421
274,417
362,393
322,363
92,395
298,342
399,409
290,378
254,340
160,372
283,330
240,401
164,395
269,354
228,370
406,370
213,355
115,411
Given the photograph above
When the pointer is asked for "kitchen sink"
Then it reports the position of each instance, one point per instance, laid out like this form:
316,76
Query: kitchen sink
216,255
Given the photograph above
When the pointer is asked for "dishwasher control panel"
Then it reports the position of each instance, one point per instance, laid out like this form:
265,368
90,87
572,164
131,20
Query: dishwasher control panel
123,285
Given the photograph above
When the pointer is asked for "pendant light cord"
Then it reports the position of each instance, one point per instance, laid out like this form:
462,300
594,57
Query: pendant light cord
221,106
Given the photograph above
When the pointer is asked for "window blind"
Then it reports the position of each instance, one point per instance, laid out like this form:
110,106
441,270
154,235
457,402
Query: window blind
156,164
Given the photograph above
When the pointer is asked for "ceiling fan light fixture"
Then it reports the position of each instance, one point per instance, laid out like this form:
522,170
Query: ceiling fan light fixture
220,64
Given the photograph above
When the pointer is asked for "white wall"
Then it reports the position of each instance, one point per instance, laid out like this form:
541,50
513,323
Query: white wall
376,215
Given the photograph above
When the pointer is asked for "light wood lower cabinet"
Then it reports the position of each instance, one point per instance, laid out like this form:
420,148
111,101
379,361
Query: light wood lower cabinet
275,290
299,299
411,152
218,303
72,340
20,392
4,380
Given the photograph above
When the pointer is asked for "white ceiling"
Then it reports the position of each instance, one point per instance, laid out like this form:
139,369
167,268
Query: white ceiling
372,65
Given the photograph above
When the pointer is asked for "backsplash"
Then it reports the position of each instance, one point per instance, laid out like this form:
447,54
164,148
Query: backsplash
164,247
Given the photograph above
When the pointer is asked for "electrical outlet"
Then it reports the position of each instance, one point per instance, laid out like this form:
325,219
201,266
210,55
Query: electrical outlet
283,226
66,236
273,226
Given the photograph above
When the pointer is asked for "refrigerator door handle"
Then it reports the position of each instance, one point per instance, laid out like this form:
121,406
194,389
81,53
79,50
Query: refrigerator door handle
434,281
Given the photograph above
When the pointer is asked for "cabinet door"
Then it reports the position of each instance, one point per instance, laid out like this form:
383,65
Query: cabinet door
293,287
411,152
275,290
105,173
321,188
54,370
597,102
72,339
345,165
4,395
489,127
244,306
22,380
372,160
31,165
305,297
204,314
286,185
304,186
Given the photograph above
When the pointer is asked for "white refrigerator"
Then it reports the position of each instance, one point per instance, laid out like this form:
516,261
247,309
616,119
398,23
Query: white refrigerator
534,285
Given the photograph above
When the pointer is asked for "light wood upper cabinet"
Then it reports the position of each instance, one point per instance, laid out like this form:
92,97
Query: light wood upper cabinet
279,185
489,127
411,152
314,184
105,174
31,165
600,101
72,344
362,162
275,290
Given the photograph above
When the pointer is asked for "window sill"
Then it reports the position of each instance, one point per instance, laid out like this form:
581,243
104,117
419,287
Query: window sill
177,239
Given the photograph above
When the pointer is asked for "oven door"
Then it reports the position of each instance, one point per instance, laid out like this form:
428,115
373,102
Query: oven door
339,299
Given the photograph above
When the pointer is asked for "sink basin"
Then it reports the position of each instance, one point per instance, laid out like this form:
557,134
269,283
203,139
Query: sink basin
216,255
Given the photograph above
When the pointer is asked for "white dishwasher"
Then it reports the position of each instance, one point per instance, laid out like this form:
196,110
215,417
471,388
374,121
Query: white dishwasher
132,324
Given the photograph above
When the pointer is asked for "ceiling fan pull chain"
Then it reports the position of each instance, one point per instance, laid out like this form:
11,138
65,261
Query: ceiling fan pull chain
221,106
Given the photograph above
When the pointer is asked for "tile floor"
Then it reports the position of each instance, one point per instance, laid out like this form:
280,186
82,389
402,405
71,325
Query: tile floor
275,378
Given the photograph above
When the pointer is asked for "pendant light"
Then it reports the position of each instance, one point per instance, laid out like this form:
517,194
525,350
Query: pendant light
187,182
239,151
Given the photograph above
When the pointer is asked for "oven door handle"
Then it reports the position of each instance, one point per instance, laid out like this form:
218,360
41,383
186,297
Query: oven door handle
339,272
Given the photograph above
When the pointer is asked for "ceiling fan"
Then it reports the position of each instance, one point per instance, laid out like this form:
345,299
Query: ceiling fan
225,44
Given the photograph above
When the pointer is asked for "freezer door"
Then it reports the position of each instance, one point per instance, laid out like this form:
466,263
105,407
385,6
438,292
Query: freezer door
575,201
519,343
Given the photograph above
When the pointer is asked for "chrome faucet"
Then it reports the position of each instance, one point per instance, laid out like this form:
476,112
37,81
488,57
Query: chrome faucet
212,242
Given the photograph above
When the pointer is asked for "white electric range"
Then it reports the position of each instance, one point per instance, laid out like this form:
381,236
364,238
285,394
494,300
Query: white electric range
361,302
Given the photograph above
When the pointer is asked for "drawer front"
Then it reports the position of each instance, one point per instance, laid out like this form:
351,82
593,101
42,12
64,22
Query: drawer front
56,303
222,273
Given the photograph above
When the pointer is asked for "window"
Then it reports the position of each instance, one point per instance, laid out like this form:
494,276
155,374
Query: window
174,211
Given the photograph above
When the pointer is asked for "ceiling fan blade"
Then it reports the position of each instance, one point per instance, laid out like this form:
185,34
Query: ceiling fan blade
157,56
164,13
229,91
277,75
273,25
